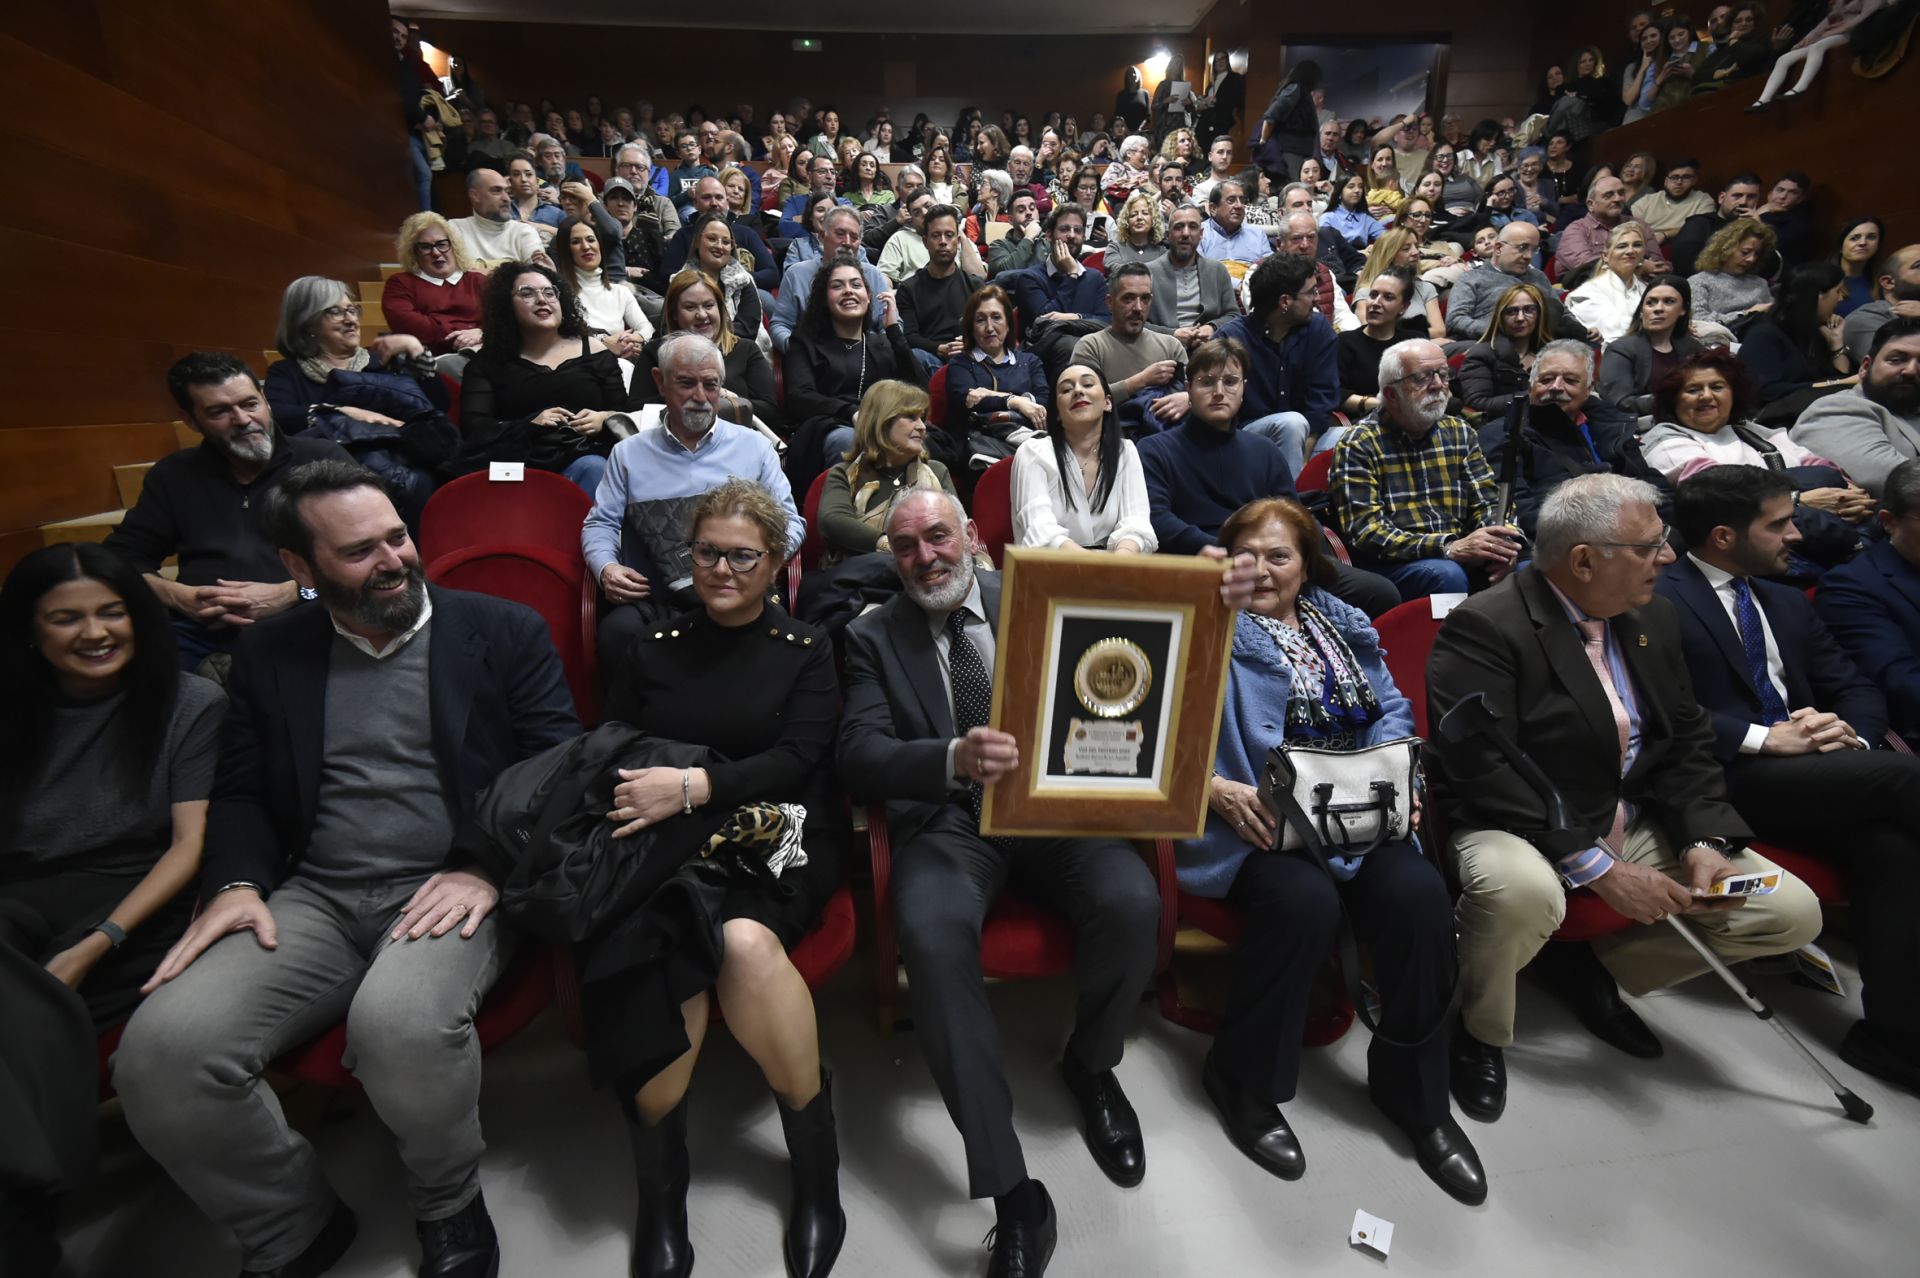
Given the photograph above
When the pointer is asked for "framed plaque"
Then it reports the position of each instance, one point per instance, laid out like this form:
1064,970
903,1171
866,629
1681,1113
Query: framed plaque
1110,675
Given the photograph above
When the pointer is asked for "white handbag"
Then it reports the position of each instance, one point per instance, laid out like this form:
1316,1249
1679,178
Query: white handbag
1341,802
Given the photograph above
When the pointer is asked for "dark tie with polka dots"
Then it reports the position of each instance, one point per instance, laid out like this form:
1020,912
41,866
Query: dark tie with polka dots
972,689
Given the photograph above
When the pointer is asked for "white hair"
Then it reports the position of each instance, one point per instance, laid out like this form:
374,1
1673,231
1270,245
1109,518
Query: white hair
683,348
1019,151
646,154
839,210
1563,346
1393,360
1131,141
907,496
1586,510
1002,183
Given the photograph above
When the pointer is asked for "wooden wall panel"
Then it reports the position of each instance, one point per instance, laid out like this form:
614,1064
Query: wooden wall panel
180,165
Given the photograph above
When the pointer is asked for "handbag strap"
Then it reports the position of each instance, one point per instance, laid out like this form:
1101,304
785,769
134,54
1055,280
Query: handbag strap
1293,814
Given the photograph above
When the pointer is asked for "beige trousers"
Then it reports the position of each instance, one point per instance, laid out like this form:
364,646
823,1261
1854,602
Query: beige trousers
1511,901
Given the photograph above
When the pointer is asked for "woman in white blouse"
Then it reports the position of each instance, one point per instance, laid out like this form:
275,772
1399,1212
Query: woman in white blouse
1080,485
608,307
1606,303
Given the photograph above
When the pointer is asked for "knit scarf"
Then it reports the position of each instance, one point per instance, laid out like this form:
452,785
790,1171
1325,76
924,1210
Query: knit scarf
317,369
1330,698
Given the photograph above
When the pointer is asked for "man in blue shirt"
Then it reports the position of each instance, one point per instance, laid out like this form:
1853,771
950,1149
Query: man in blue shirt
1227,237
793,214
1060,301
1293,382
711,197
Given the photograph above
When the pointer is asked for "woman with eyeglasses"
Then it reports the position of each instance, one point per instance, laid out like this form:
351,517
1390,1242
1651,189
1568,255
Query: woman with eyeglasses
739,676
329,385
1496,368
542,391
437,298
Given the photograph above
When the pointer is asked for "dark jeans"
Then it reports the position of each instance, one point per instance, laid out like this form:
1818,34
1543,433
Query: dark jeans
1402,912
198,642
1856,809
944,880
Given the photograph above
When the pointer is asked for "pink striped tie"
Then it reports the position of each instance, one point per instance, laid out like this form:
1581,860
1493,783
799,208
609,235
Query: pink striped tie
1593,641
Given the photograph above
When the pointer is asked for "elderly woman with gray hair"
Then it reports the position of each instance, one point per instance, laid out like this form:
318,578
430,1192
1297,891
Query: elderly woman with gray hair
362,397
1132,173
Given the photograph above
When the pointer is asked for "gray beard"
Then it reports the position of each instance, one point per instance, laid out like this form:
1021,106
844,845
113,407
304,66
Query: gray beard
951,596
257,449
697,421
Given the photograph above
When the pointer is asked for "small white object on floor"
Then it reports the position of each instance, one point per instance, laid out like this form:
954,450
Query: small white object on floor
1371,1232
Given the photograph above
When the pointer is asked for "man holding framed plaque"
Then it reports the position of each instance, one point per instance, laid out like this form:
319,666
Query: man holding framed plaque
919,688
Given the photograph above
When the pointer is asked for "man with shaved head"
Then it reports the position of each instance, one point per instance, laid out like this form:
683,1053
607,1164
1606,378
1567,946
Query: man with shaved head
490,235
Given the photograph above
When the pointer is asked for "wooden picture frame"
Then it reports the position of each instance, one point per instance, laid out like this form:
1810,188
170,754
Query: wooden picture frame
1115,696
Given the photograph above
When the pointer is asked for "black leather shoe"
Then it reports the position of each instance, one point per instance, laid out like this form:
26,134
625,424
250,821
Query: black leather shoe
816,1223
1478,1075
323,1253
1016,1249
1582,981
1451,1162
461,1246
1108,1122
1256,1128
1883,1055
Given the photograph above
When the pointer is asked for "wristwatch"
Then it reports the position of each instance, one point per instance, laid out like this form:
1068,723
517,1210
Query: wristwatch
115,934
1712,844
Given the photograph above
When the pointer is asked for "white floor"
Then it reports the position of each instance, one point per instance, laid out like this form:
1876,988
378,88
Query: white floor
1725,1157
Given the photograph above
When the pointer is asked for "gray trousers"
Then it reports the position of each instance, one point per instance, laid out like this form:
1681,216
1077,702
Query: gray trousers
188,1069
944,880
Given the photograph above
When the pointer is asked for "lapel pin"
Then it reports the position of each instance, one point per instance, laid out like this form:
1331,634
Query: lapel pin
1643,641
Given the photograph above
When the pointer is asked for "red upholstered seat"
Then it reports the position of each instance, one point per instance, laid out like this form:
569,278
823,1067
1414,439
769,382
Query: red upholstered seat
554,583
1406,634
937,397
1019,938
993,509
541,509
522,993
1313,476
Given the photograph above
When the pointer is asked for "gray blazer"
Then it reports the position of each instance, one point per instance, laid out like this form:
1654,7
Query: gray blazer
896,722
1867,440
1626,374
1217,300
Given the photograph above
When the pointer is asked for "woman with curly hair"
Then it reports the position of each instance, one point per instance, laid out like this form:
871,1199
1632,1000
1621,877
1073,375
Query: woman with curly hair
437,298
1139,233
541,391
1728,286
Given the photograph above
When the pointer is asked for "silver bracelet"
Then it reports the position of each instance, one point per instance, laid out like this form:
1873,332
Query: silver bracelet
240,883
686,792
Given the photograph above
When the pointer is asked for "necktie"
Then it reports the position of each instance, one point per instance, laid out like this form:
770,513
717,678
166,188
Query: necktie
1593,639
972,689
1754,640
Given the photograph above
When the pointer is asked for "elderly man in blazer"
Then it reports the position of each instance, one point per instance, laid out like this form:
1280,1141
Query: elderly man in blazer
1586,669
358,735
1871,604
1210,300
919,677
1797,728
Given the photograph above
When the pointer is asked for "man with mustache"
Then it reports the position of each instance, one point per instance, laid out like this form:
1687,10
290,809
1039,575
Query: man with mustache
1869,429
1411,490
359,734
635,537
919,678
201,504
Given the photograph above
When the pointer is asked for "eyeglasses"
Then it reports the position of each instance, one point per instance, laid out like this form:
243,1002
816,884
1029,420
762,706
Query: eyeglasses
541,294
433,246
1520,310
1641,549
1419,217
739,558
342,312
1421,381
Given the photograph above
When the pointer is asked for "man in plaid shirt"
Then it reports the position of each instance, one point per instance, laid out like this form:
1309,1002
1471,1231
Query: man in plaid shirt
1410,490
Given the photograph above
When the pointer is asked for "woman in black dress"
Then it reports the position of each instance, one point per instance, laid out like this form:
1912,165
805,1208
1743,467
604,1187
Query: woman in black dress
105,773
774,730
541,390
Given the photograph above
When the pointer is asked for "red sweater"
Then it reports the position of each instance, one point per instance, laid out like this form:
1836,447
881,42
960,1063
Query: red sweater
432,312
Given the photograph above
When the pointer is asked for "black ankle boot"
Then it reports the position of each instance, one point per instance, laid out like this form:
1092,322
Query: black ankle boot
817,1225
661,1248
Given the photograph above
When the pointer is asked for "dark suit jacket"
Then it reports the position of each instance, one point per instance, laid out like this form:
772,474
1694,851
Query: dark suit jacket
1871,605
1817,673
895,724
1555,451
1514,643
1036,292
496,695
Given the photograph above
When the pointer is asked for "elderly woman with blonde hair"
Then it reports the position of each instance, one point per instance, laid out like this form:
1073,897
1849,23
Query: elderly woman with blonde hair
1139,233
888,456
436,298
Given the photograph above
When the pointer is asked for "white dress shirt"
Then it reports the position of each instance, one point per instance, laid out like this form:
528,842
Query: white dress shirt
1722,583
981,636
1042,517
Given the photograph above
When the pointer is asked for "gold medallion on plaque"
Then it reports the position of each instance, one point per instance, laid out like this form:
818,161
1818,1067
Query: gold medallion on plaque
1113,678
